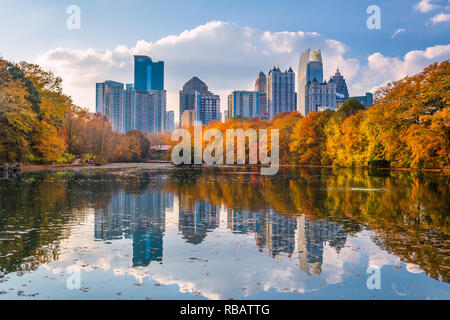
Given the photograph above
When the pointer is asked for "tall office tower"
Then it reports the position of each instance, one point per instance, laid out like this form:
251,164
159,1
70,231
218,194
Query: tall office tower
302,81
188,118
320,96
109,102
136,106
170,126
315,67
150,111
280,91
341,85
103,91
243,103
310,67
261,87
187,95
148,75
207,107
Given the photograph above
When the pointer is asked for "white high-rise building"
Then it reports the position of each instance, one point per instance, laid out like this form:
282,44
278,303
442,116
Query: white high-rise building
280,91
128,109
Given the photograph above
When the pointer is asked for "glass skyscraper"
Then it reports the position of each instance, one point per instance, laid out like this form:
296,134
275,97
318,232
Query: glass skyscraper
207,107
187,95
148,75
243,103
310,69
136,106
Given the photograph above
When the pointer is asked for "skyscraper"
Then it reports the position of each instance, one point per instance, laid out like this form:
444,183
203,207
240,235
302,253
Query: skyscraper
280,91
103,95
207,107
341,85
187,95
310,67
320,96
170,121
243,103
261,87
130,108
302,80
148,75
188,118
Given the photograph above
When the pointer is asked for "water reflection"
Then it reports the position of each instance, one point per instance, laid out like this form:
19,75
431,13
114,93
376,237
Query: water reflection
140,217
317,220
197,220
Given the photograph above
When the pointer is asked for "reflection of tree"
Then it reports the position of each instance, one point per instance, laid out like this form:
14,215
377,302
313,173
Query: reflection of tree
36,211
407,211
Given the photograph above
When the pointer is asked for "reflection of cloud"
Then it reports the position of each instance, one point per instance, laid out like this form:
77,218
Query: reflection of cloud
239,271
413,268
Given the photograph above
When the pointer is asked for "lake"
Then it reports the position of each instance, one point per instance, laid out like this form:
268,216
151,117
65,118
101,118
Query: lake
225,233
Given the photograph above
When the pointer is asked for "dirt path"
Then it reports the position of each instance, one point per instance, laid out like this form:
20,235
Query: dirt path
153,165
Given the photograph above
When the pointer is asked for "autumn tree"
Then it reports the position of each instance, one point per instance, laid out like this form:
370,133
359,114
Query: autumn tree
308,141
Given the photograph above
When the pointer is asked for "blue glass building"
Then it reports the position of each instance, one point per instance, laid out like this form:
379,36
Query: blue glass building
148,75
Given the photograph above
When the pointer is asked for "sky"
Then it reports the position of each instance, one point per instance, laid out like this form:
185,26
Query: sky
225,43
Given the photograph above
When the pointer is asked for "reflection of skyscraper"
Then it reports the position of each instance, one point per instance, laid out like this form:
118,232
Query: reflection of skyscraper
311,237
140,217
243,221
196,222
276,233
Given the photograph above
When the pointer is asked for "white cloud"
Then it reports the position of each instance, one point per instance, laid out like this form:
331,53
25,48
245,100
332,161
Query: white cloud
381,69
224,55
440,17
227,57
426,6
397,32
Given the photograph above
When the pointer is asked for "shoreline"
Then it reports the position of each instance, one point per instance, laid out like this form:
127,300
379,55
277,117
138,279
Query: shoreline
168,164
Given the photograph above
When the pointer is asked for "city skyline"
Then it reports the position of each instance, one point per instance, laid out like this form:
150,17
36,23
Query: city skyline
224,48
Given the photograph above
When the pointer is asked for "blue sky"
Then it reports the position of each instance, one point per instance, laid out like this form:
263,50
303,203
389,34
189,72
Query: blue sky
33,30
